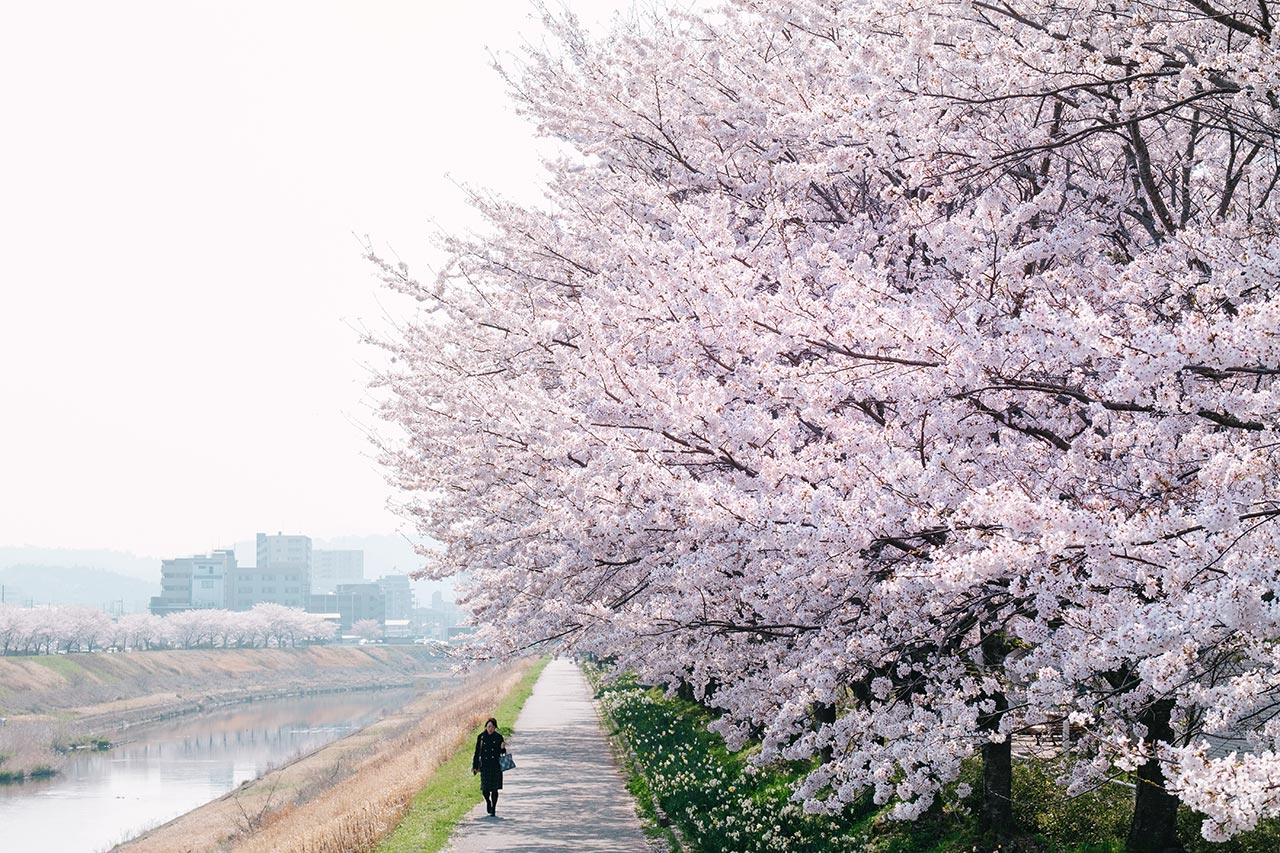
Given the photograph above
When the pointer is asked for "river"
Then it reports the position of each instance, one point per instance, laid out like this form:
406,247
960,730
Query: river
166,769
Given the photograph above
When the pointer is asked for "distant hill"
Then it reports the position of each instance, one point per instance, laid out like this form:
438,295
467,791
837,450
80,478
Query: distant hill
53,584
120,562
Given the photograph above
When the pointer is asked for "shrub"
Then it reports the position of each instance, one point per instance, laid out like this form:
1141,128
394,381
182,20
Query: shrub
1098,818
1264,839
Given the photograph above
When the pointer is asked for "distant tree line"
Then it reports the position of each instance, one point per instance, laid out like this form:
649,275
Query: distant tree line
53,630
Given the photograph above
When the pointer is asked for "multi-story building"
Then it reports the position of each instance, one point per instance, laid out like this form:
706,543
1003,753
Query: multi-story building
282,576
250,585
397,591
440,620
175,587
358,601
351,602
208,578
282,552
188,583
324,602
330,568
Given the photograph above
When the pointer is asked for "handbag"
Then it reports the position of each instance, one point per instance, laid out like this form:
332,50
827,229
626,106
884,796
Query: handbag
506,762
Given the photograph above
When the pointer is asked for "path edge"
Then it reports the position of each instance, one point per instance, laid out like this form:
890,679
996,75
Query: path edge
509,707
657,826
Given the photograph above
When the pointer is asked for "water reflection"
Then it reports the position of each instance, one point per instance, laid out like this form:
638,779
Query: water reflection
166,769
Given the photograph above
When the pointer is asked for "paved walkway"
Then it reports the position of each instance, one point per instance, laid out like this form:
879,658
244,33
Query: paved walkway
566,793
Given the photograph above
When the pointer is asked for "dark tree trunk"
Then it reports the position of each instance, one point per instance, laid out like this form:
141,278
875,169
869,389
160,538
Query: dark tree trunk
1155,810
996,819
824,713
997,786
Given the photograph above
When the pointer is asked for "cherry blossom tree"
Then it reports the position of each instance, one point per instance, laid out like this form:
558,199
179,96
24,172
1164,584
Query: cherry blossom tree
367,629
85,628
10,627
898,376
137,631
66,629
289,624
315,628
186,629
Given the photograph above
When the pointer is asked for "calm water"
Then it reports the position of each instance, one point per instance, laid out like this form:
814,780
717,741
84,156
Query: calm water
167,769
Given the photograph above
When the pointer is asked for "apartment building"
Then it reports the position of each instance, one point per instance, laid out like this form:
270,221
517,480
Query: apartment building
190,583
330,568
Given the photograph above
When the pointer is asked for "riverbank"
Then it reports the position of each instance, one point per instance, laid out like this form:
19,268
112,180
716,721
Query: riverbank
350,793
52,703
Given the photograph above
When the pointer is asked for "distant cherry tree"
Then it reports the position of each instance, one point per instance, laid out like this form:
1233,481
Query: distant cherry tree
46,630
83,628
137,631
10,627
368,629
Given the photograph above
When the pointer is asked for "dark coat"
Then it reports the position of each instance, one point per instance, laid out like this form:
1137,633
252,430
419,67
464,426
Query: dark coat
488,748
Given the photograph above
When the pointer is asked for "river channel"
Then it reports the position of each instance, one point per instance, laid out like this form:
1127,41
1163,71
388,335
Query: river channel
166,769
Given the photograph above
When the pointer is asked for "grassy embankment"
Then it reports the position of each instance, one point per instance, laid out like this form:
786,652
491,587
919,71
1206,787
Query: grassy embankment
58,702
452,791
719,803
351,793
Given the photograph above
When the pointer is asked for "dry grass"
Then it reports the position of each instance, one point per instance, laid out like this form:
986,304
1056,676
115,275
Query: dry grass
344,796
27,746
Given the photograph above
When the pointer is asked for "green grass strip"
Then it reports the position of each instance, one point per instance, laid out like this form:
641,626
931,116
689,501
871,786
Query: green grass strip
452,791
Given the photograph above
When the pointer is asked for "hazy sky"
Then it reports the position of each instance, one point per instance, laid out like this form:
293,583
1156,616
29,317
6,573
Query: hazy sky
180,183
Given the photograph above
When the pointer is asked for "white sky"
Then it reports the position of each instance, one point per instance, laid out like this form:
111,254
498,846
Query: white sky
180,183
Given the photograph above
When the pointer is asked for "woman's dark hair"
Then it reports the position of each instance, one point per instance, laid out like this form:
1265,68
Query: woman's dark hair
491,720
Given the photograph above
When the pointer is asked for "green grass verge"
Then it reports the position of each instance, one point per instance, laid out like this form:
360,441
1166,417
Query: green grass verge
452,791
64,665
654,822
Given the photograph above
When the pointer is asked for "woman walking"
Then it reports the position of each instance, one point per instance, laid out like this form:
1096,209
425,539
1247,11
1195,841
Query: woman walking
489,745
